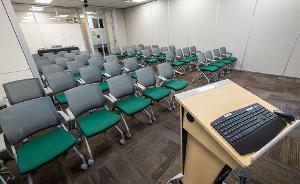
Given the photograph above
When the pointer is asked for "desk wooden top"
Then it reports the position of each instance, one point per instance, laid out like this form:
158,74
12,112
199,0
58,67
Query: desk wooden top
215,101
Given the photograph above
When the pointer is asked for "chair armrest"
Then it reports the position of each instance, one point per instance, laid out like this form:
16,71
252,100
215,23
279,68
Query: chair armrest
82,81
106,75
111,98
66,118
43,77
141,65
175,71
126,69
48,91
70,114
212,60
140,86
162,78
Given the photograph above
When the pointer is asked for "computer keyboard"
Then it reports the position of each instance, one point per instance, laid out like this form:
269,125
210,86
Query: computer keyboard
250,128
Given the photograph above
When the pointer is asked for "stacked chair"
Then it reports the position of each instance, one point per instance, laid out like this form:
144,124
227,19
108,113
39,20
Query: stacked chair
90,75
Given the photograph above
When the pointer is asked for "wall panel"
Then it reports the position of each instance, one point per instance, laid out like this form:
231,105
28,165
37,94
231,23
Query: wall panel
160,22
293,67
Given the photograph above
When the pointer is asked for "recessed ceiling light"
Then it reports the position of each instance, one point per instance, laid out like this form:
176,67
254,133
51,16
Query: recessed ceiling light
62,16
138,1
43,1
52,18
35,8
91,13
28,18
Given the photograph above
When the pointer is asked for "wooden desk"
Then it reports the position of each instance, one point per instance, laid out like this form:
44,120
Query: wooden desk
206,156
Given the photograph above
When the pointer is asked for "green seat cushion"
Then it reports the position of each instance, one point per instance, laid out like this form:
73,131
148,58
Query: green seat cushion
157,93
97,122
43,149
161,58
177,63
133,75
176,85
233,59
188,59
77,77
218,64
103,86
133,105
61,98
102,71
152,60
225,61
209,68
138,57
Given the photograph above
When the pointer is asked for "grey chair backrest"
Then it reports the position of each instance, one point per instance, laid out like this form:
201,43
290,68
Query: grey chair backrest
164,49
156,51
96,55
186,51
165,70
90,74
201,58
62,52
47,69
223,50
172,47
111,58
139,49
40,63
70,55
74,67
96,62
76,52
26,118
62,61
48,54
125,48
130,52
85,54
148,48
193,50
146,53
37,57
146,76
217,53
82,60
131,64
142,46
113,68
22,90
170,56
84,98
155,46
208,55
178,53
117,50
60,81
121,86
53,57
134,47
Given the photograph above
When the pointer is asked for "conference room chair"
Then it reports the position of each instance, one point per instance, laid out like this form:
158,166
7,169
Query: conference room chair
74,67
37,57
187,60
124,48
167,79
142,46
62,61
147,58
132,54
48,54
177,64
156,52
58,83
85,53
122,94
76,52
147,84
41,147
62,53
111,58
90,75
148,48
155,46
205,70
53,57
217,56
95,55
130,66
91,116
211,61
227,55
194,50
117,51
134,47
23,90
70,55
82,58
97,62
48,69
112,69
188,55
172,48
40,63
139,51
164,50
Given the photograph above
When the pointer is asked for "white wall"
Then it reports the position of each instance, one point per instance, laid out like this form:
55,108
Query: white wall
120,27
13,62
262,34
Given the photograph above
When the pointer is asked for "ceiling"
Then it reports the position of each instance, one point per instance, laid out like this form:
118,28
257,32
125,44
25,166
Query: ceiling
78,3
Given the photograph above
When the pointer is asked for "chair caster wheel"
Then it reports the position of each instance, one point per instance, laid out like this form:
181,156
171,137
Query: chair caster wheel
150,122
128,135
79,141
153,119
122,141
174,107
83,166
170,108
91,162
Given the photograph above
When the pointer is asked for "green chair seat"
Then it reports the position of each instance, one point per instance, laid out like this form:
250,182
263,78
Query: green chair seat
97,122
77,77
133,75
176,85
152,60
133,105
225,61
61,98
218,64
209,68
43,149
188,59
232,59
157,93
103,86
161,58
177,63
137,57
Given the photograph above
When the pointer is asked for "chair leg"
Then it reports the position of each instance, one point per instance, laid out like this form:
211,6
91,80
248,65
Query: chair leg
29,178
195,77
122,140
150,117
169,103
128,135
91,159
153,116
84,165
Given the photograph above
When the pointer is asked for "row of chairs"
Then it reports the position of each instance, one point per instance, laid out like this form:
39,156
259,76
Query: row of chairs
88,111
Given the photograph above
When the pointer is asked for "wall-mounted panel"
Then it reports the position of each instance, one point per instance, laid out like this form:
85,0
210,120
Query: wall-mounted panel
145,24
132,20
233,27
160,22
274,30
293,67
